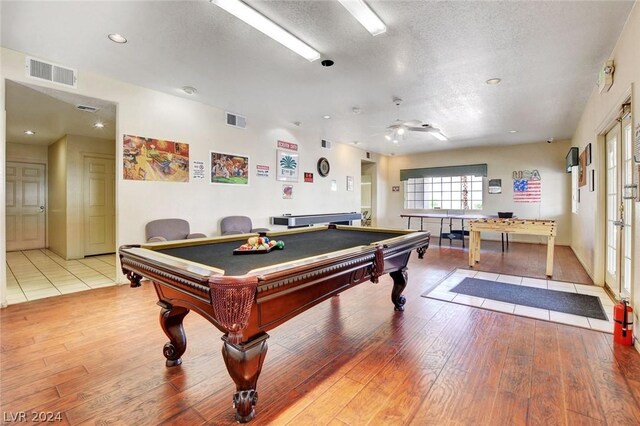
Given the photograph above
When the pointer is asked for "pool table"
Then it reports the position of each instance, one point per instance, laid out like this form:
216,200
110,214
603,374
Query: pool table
246,295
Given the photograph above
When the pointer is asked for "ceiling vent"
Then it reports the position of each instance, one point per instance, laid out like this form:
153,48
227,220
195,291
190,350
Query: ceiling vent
87,108
48,71
326,144
235,120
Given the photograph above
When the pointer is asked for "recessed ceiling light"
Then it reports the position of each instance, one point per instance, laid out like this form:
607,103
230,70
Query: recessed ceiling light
494,81
99,125
117,38
326,117
363,13
243,12
513,131
29,132
189,90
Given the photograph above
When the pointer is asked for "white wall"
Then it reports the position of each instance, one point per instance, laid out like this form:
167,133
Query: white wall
548,159
597,115
152,114
57,197
3,173
27,153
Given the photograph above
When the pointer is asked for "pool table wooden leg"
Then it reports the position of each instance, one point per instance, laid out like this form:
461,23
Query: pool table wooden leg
244,364
399,283
171,322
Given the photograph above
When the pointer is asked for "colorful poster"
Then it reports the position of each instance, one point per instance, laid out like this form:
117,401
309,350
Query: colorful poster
262,170
287,166
154,159
527,187
229,169
287,192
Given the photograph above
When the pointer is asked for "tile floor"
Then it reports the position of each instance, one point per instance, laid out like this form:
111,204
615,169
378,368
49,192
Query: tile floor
36,274
442,292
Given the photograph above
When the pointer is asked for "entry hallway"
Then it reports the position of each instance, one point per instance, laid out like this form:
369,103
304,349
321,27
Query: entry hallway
96,357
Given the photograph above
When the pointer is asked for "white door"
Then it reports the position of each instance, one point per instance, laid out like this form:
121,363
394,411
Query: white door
25,204
99,205
619,175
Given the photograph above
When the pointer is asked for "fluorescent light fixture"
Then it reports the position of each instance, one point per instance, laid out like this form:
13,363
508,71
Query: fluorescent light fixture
439,136
243,12
29,132
99,125
363,13
326,117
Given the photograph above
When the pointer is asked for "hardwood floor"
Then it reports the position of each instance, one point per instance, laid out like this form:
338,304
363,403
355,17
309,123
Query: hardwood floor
96,357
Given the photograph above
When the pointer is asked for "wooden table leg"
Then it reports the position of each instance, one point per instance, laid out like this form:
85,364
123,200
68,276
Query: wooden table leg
550,245
472,248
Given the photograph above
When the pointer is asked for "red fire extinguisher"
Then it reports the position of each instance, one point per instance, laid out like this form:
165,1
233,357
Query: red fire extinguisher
623,327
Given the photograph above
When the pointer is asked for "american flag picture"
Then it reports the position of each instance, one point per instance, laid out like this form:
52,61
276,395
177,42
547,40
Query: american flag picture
526,191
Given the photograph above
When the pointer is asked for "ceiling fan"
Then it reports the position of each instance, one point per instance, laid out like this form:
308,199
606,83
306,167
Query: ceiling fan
398,128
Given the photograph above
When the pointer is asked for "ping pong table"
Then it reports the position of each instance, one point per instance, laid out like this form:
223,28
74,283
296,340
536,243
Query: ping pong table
453,234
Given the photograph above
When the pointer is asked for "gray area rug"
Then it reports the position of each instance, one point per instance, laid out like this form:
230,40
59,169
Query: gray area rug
560,301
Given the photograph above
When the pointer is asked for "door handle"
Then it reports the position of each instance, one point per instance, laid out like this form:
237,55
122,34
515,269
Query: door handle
619,223
41,209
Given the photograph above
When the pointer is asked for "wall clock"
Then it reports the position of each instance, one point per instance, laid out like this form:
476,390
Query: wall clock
323,167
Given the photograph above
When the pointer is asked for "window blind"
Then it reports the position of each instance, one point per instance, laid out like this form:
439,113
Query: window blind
465,170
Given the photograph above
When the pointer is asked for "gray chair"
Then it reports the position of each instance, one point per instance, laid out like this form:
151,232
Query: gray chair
168,230
238,225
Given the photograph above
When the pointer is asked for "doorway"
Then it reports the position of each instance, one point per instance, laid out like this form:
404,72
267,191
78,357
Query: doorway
619,204
98,189
25,206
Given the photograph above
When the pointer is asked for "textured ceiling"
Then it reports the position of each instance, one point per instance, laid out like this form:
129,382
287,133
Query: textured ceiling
435,55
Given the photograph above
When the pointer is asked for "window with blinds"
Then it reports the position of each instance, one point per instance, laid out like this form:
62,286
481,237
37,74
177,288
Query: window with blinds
443,192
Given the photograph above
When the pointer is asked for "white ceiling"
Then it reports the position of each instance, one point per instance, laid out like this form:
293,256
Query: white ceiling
434,55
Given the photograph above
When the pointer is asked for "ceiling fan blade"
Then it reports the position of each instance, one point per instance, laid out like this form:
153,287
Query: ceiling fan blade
432,130
427,129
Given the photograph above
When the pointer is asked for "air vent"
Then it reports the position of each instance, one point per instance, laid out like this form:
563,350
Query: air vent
368,155
49,71
235,120
87,108
326,144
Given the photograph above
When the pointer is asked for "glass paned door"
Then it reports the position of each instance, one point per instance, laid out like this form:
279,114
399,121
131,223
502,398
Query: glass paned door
619,175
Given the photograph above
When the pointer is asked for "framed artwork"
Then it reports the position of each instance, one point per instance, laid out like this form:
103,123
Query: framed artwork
229,169
592,180
588,153
287,192
154,159
495,186
582,168
349,183
287,165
